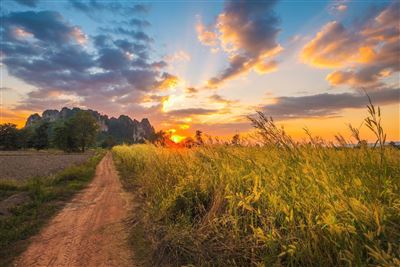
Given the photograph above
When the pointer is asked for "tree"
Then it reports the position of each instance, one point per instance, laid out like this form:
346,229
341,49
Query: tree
159,138
199,137
8,136
41,136
85,128
64,137
26,137
108,142
77,133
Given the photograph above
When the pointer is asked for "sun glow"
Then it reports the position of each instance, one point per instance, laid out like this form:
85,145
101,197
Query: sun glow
177,138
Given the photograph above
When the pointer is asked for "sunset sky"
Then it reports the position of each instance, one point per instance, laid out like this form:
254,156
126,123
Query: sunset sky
189,65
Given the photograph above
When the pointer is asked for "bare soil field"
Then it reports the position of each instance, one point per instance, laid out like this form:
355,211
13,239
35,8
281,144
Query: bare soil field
20,165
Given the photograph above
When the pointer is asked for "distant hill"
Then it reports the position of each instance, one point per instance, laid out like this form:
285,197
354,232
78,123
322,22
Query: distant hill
121,129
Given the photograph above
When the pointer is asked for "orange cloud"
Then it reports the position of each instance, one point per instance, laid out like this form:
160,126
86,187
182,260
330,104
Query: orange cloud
206,36
332,47
341,8
266,67
79,36
21,33
184,126
368,54
168,81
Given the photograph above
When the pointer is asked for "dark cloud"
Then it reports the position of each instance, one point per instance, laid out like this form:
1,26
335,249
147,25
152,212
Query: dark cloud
247,31
46,26
46,51
140,23
322,105
112,59
29,3
138,35
191,111
141,79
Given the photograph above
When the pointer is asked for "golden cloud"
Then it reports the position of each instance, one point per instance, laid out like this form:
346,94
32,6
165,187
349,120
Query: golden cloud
206,36
367,54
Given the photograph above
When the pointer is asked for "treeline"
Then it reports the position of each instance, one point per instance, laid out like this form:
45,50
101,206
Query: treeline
74,134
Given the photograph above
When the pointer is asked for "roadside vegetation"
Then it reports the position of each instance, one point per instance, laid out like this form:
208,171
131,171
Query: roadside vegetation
26,205
75,134
277,203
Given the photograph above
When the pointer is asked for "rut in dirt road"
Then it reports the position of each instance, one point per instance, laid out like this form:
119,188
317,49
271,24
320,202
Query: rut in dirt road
90,230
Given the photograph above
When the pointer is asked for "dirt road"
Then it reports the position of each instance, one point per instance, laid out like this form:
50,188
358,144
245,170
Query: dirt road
90,230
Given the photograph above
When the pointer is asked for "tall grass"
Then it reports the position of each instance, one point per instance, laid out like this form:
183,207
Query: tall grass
283,203
260,206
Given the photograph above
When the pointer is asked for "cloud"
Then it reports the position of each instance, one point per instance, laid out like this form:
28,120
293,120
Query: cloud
326,105
338,6
6,89
215,98
178,56
45,26
191,111
191,90
362,54
29,3
92,7
167,81
223,129
69,67
205,34
247,31
135,34
139,23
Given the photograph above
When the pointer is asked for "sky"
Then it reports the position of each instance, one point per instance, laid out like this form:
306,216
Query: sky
205,65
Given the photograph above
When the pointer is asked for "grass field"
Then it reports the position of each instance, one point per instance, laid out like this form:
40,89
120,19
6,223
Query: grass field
34,200
305,205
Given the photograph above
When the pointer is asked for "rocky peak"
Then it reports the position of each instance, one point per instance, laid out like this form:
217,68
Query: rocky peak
123,129
50,115
32,119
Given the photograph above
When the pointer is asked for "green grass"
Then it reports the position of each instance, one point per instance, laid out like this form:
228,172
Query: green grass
47,196
305,205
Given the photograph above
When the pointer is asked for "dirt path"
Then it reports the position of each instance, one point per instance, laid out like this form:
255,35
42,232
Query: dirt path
90,230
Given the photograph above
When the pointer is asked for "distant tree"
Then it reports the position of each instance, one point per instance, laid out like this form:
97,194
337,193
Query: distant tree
108,142
41,136
8,136
63,137
26,137
235,140
199,138
188,142
85,129
159,138
393,144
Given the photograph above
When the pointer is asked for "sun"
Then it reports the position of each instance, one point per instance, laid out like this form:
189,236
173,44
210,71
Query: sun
177,138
